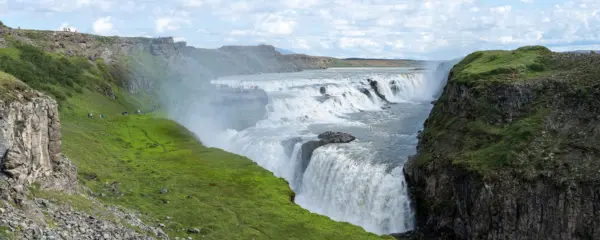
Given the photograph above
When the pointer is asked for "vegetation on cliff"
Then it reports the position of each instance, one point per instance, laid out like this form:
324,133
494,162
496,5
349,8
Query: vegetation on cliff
510,149
491,66
500,114
153,165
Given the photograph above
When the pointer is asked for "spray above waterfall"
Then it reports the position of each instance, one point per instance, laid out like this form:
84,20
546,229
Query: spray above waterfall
269,117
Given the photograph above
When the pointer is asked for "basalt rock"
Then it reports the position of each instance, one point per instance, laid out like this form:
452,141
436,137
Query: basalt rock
375,86
514,158
30,145
335,137
366,92
325,138
323,90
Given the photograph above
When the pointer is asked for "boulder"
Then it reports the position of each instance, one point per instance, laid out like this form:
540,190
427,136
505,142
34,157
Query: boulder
323,90
335,137
375,86
365,92
325,138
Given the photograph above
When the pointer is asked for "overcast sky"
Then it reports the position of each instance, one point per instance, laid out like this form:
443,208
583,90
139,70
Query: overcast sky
435,29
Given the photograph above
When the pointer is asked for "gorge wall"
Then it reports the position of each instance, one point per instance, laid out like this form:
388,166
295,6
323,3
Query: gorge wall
510,149
30,142
141,176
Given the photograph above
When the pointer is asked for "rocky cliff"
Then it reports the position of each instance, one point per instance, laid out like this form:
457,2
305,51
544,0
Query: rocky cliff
30,143
510,149
31,159
167,183
132,58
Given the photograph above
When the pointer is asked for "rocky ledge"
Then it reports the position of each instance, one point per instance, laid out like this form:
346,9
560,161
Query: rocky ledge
325,138
30,158
30,146
41,218
510,149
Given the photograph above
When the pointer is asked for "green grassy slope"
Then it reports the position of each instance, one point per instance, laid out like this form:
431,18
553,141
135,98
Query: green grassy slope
128,160
471,132
493,66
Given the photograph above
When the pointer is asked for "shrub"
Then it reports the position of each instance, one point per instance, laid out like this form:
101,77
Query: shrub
538,49
41,70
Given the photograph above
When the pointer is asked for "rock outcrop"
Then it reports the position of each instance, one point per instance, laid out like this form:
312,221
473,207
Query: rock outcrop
375,86
30,148
507,155
325,138
30,145
40,218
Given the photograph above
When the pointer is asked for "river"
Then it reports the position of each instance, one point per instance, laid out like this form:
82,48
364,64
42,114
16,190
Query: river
267,117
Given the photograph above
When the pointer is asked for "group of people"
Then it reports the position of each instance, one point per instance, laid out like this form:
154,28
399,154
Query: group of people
91,115
138,111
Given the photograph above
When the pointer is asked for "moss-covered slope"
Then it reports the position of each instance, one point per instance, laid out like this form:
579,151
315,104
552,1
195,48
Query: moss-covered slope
510,149
153,165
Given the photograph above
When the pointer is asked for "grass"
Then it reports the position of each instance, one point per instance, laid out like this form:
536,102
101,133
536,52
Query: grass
475,133
225,195
488,147
488,66
129,159
536,125
10,86
55,75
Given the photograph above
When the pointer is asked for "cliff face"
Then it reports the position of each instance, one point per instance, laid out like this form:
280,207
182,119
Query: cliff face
309,62
510,149
30,145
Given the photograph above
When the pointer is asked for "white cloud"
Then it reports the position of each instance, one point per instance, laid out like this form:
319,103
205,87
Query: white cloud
171,23
103,25
193,3
240,33
300,44
62,6
502,9
66,25
409,28
275,24
179,39
399,44
353,33
349,42
300,3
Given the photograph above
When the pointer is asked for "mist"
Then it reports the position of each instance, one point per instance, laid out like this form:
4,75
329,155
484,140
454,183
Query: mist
267,117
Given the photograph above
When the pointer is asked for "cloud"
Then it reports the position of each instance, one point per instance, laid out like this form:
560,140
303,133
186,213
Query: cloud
164,24
59,6
179,39
103,25
169,20
299,3
432,29
300,44
66,25
193,3
275,24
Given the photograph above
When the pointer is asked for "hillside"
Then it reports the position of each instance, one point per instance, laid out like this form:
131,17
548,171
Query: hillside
138,176
510,149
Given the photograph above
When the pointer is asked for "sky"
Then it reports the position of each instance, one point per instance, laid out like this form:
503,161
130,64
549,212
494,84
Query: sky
415,29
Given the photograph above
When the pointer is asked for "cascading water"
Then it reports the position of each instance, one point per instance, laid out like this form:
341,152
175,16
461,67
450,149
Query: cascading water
360,182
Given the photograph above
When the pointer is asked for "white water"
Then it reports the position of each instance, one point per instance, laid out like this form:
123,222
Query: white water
360,182
340,184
